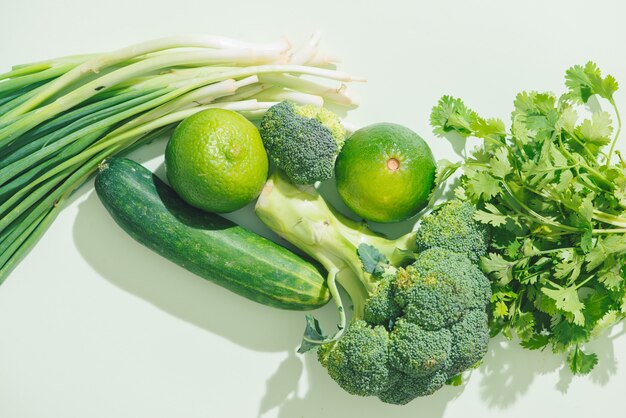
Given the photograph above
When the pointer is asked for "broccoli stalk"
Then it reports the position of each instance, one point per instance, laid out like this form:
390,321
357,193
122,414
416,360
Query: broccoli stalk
300,215
413,327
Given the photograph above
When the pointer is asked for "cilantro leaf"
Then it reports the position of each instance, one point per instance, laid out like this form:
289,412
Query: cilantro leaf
495,264
451,114
494,219
610,275
445,169
567,120
500,165
556,207
500,310
605,247
536,342
586,81
609,319
568,265
493,129
565,335
524,326
566,299
483,186
596,130
581,363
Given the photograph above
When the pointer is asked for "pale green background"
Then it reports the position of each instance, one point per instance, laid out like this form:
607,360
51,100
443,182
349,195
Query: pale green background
93,325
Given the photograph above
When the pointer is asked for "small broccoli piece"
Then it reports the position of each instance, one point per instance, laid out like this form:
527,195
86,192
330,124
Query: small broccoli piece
303,141
471,336
412,328
439,288
381,307
405,388
416,351
452,226
358,361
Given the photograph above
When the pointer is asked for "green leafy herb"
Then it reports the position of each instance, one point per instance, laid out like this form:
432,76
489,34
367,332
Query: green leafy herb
581,363
557,206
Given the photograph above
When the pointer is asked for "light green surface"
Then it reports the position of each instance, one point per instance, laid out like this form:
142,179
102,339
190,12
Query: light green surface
94,325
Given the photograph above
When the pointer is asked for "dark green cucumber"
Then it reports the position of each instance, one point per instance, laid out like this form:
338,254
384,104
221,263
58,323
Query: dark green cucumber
206,244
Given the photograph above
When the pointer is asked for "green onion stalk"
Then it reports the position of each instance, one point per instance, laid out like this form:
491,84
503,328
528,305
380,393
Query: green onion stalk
59,119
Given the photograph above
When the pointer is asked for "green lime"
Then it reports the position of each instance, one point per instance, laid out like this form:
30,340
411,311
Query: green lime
385,172
215,160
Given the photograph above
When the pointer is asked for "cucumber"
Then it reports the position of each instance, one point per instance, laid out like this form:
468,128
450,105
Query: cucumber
204,243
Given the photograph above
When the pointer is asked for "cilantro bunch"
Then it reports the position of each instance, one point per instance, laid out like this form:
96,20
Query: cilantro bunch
553,188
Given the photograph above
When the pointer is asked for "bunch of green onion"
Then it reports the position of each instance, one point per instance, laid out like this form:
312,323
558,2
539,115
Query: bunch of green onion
60,119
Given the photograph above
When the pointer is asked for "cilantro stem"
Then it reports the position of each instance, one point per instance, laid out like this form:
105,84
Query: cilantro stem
609,231
619,128
554,250
581,284
607,218
535,215
497,142
584,146
524,280
596,174
598,215
538,253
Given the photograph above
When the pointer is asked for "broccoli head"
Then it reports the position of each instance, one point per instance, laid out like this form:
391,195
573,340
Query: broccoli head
358,361
413,326
452,226
439,331
303,141
440,287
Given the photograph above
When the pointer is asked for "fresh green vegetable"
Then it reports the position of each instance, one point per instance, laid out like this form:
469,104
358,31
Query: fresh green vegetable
303,141
204,243
452,226
556,200
412,329
59,119
421,327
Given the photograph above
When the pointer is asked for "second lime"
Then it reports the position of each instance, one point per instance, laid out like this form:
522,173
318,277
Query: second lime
385,173
215,161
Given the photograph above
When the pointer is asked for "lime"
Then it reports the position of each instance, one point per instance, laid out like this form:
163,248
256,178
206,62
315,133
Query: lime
385,173
215,160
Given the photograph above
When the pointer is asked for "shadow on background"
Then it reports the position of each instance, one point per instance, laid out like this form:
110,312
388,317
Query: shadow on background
505,376
508,370
326,398
134,268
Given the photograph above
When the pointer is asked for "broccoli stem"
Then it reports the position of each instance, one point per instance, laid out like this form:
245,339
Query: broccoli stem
300,215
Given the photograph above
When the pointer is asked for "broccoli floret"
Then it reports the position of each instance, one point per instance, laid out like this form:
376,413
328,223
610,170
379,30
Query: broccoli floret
358,361
469,345
413,327
439,288
381,307
405,388
303,141
417,351
452,226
